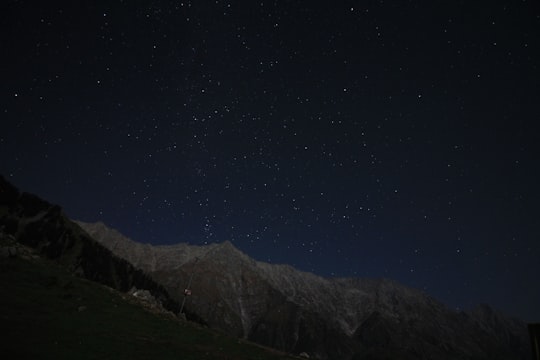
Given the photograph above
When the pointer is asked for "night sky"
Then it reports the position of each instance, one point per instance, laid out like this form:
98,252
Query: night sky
392,139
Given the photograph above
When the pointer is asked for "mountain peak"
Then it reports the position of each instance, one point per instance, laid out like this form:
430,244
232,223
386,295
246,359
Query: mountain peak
224,252
229,246
228,243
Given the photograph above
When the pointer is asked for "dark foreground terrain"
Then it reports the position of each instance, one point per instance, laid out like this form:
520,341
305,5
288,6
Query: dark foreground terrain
47,313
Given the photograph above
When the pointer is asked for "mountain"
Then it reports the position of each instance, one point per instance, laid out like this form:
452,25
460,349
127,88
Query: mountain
274,305
294,311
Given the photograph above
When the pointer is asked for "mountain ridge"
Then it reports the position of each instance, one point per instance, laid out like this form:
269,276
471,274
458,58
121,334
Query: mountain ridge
260,301
273,305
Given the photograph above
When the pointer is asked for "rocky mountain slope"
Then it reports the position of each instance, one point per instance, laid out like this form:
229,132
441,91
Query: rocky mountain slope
294,311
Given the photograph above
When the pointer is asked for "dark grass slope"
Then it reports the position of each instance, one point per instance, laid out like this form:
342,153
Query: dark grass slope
47,313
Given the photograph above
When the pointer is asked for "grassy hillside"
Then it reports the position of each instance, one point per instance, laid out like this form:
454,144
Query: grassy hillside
46,313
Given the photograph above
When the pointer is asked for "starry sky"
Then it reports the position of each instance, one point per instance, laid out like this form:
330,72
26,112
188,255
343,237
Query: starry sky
387,138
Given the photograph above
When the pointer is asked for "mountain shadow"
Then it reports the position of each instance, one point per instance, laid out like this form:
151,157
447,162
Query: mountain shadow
38,224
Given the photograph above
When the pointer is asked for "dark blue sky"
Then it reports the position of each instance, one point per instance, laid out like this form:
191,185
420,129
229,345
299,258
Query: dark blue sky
376,139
